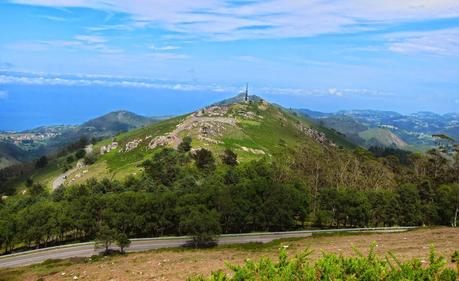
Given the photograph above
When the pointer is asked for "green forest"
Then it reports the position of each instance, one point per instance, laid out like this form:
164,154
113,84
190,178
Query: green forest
194,192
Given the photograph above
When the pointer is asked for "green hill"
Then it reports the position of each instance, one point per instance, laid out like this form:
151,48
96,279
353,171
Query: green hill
360,134
115,122
252,130
26,146
382,137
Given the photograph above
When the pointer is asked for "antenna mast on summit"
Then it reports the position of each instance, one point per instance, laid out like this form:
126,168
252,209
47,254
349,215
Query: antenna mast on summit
246,98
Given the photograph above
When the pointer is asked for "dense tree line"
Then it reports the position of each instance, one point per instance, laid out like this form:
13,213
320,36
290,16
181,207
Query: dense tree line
188,192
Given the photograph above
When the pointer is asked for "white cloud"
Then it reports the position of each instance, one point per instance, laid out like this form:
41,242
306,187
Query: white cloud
345,92
102,80
335,92
439,42
166,53
164,48
79,42
223,20
167,56
3,94
53,18
90,39
148,83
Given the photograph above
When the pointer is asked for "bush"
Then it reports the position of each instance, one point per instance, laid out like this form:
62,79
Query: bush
104,238
89,160
204,159
122,241
70,159
229,158
337,267
80,154
185,145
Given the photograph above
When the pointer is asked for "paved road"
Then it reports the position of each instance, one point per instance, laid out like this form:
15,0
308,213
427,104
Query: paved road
87,249
61,179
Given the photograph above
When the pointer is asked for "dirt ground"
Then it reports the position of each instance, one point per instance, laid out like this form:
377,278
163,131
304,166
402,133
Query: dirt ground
180,264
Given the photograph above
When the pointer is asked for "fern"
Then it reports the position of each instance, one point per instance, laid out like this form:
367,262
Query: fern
337,267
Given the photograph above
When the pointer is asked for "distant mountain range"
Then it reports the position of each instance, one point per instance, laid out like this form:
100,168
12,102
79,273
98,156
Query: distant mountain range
388,128
24,146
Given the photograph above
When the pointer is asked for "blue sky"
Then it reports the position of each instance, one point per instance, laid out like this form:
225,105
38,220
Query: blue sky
323,54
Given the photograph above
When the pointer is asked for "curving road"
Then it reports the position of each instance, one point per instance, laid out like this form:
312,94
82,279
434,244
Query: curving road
61,179
137,245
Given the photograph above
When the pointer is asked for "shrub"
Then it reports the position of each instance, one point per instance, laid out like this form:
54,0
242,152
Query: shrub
229,157
185,145
122,241
204,159
89,159
337,267
80,154
70,159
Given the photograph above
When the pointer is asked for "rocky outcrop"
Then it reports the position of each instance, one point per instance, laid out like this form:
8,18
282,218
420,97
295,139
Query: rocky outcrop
315,135
132,145
107,148
168,139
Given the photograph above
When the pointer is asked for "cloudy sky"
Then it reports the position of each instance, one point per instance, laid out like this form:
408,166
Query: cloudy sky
324,55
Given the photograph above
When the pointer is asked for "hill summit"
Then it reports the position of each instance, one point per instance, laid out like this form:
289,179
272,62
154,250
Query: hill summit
115,122
252,130
239,99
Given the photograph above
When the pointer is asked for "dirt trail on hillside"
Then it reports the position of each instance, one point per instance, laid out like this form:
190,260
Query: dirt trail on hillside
188,124
179,264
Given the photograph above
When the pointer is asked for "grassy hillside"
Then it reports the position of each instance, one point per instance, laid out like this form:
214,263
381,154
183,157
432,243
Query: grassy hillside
11,154
252,130
382,137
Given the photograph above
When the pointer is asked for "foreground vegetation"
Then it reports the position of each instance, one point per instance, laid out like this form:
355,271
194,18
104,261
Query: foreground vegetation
181,263
338,267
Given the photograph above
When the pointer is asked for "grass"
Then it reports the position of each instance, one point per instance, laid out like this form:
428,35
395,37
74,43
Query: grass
46,268
44,175
257,246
